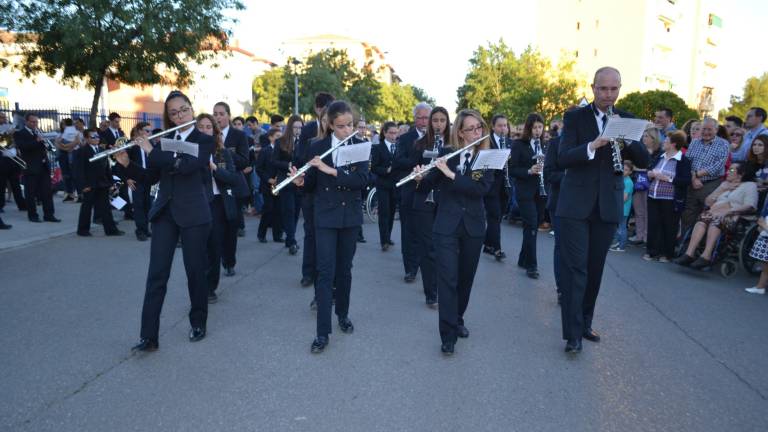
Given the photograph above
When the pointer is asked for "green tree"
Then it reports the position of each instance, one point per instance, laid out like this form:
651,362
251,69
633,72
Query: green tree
501,82
422,96
645,104
330,71
755,94
132,41
396,103
266,91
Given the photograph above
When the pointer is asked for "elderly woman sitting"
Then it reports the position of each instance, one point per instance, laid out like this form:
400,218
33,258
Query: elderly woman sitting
731,198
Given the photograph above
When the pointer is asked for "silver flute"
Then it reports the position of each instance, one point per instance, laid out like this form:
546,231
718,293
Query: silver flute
432,165
288,180
616,146
539,156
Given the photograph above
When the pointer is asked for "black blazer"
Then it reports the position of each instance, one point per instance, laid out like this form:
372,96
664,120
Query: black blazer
553,174
227,178
418,201
498,175
381,161
460,199
182,182
237,144
134,154
108,138
589,183
279,162
96,174
337,200
682,180
32,151
520,161
308,134
404,160
265,169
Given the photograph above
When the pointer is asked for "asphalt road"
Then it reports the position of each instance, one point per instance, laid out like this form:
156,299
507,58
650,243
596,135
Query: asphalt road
681,351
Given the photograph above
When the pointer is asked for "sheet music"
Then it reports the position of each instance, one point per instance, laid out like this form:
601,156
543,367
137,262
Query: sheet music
178,146
352,153
118,203
491,159
626,128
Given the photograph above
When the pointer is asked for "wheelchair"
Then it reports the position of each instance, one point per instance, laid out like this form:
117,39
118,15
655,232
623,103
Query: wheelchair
731,249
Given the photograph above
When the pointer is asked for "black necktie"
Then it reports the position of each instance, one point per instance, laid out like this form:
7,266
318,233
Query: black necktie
605,120
537,146
117,135
178,136
392,149
465,167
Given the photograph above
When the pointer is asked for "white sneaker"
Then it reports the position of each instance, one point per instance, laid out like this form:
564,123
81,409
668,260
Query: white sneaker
755,290
617,249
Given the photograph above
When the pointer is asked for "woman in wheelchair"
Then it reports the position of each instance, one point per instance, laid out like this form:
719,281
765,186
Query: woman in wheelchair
759,252
732,198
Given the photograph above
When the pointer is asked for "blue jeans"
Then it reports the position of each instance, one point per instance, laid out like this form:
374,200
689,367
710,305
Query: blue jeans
621,233
258,200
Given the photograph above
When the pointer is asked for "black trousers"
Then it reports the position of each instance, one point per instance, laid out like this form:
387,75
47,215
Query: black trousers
38,186
663,223
425,252
456,258
9,174
215,243
270,217
97,201
142,202
406,230
583,248
530,214
194,240
492,204
335,250
228,237
308,268
289,211
387,205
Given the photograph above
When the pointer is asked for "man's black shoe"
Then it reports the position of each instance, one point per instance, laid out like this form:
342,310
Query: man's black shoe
447,348
35,219
432,303
306,281
346,325
319,344
241,232
262,240
196,334
116,233
5,226
591,335
84,234
573,346
410,277
532,273
51,219
462,331
146,345
141,237
229,271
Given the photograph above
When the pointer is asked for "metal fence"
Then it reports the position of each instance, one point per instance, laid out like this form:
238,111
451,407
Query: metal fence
50,117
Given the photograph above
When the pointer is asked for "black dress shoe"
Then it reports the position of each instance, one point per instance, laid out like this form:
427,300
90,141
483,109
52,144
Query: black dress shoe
313,304
499,255
262,240
488,250
432,303
229,271
346,325
391,243
410,277
361,240
306,281
51,219
5,226
212,298
684,260
573,346
385,247
84,234
532,273
447,348
701,263
35,219
196,334
241,232
116,233
146,345
293,249
278,240
591,335
462,331
141,237
319,344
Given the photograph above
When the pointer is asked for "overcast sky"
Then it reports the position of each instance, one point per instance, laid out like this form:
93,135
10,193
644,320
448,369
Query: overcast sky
429,43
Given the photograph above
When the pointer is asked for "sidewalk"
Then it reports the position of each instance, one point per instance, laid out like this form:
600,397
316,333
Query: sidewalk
25,232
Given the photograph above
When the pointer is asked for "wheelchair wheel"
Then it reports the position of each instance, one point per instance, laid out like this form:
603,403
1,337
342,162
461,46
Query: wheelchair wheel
371,206
682,246
749,264
727,268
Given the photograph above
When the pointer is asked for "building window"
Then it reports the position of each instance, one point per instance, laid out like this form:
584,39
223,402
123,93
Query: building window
578,26
595,52
576,53
597,24
715,20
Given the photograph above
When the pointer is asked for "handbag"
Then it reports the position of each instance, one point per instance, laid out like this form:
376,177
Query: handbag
641,182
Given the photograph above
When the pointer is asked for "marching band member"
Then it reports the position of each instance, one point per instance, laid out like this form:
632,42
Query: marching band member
381,165
220,185
140,187
270,216
423,205
37,174
498,193
181,210
338,218
95,181
284,157
523,166
459,225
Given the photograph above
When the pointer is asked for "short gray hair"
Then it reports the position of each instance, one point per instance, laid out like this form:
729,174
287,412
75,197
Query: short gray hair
710,120
421,106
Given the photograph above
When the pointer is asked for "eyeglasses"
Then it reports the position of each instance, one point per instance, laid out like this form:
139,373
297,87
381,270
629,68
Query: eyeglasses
184,110
94,137
149,131
474,129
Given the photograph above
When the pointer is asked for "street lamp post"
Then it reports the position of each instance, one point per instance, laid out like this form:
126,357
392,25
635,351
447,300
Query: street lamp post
296,63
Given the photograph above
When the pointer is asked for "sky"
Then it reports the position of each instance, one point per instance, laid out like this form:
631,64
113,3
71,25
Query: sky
429,43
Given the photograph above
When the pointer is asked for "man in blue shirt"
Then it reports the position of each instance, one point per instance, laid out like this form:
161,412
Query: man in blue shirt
664,123
754,126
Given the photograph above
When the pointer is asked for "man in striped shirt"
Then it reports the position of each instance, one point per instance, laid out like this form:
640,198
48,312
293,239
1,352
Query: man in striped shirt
708,155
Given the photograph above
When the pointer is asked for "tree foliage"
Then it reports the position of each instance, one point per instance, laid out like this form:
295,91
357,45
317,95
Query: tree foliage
266,91
645,104
396,103
501,82
755,94
131,41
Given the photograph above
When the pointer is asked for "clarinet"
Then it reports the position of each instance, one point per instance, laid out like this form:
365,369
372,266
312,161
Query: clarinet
616,146
507,181
434,154
539,156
